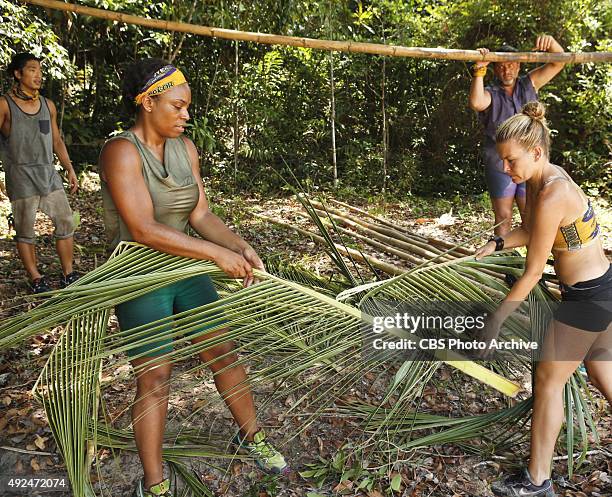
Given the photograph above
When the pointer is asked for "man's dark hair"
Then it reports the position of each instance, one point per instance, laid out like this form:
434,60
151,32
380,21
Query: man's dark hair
135,77
19,61
506,49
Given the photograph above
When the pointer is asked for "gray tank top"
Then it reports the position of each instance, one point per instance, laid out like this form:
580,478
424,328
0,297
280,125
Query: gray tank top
27,153
172,187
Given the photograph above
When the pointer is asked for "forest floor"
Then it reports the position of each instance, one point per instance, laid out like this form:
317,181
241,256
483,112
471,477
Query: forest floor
27,446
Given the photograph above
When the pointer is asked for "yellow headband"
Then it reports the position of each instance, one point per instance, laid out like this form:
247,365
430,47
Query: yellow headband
164,79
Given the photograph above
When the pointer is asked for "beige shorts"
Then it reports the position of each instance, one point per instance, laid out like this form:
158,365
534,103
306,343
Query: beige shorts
55,205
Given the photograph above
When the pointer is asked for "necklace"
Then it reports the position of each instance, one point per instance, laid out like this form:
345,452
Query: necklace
23,95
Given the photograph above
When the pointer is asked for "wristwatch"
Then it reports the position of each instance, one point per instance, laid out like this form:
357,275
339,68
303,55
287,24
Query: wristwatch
499,242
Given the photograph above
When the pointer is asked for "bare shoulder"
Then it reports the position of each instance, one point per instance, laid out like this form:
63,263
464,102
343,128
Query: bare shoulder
559,196
558,188
119,154
51,106
4,106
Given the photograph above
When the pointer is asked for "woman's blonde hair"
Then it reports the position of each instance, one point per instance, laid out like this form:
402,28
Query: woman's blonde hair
527,128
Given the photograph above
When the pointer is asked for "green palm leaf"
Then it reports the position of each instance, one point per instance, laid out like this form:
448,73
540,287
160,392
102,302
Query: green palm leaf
291,335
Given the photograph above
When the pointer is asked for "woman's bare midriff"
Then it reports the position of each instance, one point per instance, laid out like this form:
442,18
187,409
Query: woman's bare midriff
585,264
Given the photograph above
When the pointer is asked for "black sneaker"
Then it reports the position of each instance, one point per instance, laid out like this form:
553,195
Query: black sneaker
69,279
40,285
521,485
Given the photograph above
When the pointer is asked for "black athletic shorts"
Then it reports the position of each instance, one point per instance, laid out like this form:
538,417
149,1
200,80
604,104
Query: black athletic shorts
587,305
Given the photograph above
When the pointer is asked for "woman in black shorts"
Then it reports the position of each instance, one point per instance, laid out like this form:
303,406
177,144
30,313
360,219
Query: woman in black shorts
561,219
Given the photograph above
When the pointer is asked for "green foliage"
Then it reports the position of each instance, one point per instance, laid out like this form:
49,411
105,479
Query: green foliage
201,134
268,486
349,466
22,31
309,335
265,106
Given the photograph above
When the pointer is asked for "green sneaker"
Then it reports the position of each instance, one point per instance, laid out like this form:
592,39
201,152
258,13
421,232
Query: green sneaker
265,455
160,490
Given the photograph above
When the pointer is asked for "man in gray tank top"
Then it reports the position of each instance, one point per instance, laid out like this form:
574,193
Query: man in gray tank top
29,136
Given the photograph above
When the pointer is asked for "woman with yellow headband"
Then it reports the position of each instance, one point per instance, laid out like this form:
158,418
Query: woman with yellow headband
152,192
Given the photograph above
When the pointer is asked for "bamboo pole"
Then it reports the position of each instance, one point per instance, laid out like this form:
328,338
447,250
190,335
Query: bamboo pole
426,251
385,229
424,248
381,246
448,245
384,225
332,45
424,254
406,255
355,254
429,240
385,267
388,240
350,207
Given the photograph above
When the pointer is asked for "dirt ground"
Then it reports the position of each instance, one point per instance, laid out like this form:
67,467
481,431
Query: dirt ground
27,446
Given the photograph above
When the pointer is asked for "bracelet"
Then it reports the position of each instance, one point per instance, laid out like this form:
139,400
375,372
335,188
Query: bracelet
499,242
479,72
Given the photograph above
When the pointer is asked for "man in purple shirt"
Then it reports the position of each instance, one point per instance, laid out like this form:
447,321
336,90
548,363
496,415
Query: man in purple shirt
496,103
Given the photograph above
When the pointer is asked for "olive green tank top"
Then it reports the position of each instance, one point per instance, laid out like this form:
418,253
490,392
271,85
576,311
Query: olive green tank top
172,187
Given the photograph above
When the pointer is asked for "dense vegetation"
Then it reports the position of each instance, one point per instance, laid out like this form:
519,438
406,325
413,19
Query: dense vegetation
258,108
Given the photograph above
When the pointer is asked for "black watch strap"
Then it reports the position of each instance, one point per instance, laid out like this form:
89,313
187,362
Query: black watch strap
499,242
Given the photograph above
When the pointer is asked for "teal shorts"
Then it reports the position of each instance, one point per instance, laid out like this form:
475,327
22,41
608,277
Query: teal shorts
178,297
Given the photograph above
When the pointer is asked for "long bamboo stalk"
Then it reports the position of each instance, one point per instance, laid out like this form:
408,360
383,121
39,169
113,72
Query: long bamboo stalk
390,234
384,229
383,247
355,254
350,207
382,226
419,260
420,247
333,45
374,262
425,250
433,241
401,244
387,240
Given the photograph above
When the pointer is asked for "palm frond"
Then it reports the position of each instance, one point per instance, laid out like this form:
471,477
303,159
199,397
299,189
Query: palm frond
305,342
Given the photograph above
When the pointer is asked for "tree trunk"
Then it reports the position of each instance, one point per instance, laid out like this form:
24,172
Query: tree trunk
384,127
182,39
171,44
236,123
333,118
